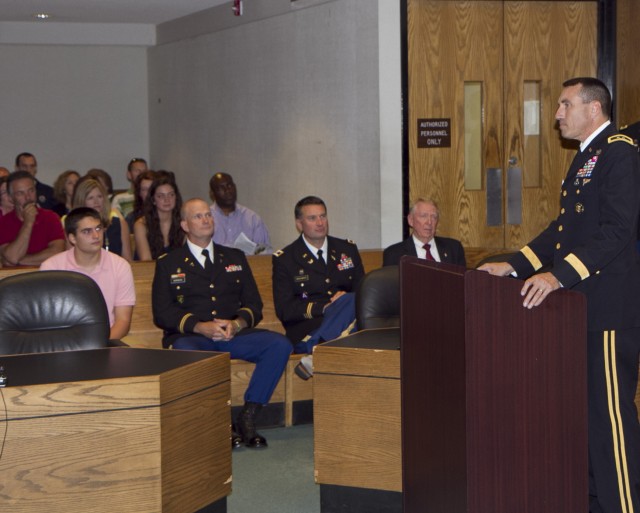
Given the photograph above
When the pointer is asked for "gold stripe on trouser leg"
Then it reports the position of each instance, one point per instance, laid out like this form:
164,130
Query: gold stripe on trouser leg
613,400
348,329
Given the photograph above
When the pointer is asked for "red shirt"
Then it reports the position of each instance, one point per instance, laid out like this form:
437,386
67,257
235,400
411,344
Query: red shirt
47,228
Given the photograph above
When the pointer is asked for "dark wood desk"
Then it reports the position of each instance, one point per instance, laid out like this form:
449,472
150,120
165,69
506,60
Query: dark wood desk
118,429
357,422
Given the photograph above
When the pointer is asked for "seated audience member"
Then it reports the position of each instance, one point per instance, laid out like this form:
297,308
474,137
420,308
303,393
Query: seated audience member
158,230
85,231
105,180
44,193
423,219
6,205
314,283
3,171
194,318
90,193
29,234
236,226
63,191
141,187
125,201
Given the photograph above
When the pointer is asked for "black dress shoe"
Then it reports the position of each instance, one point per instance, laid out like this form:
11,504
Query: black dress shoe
236,438
246,426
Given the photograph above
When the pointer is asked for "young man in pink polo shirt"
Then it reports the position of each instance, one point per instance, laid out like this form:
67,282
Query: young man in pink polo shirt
85,231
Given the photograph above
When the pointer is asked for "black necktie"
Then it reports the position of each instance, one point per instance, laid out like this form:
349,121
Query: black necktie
320,259
208,265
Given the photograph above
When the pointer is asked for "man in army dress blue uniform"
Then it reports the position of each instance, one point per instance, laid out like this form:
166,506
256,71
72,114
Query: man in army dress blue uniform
591,246
205,298
314,283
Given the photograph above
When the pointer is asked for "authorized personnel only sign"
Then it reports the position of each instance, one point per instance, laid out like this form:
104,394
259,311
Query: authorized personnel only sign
434,133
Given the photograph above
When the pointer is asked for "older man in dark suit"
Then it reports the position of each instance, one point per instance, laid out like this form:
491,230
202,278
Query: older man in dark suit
423,219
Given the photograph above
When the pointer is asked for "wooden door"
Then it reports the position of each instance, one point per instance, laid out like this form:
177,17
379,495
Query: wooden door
493,70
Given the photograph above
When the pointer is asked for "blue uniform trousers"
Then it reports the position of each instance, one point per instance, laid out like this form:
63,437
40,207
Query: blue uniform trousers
614,431
338,321
268,350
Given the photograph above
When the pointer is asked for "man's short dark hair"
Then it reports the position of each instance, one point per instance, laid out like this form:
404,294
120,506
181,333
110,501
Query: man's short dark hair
74,217
307,200
133,161
592,90
24,154
19,175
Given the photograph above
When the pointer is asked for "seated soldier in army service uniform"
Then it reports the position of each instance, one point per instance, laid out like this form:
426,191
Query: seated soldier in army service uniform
314,283
205,298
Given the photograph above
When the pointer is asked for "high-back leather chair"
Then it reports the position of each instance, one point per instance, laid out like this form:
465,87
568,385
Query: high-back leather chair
45,311
378,299
377,312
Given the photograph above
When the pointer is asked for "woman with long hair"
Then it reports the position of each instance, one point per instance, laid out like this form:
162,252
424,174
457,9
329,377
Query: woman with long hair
158,230
104,178
90,193
141,186
63,190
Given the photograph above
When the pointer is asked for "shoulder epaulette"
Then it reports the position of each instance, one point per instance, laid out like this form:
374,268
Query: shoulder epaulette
278,253
162,256
620,137
624,127
350,241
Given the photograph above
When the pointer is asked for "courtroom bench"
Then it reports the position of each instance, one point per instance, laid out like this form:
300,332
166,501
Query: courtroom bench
291,402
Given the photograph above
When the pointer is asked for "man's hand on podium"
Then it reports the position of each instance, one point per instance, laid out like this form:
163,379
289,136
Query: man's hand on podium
497,268
537,288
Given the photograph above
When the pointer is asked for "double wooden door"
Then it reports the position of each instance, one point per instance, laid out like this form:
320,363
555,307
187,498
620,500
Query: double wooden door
489,73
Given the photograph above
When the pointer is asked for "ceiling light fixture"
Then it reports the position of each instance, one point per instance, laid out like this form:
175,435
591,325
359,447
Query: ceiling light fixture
42,16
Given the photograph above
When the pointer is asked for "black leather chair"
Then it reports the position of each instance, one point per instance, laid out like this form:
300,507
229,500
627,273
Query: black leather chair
45,311
378,299
377,312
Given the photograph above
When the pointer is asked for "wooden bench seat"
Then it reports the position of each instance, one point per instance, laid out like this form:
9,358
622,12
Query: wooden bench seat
290,390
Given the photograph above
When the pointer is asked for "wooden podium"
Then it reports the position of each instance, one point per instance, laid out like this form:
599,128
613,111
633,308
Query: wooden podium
115,430
494,396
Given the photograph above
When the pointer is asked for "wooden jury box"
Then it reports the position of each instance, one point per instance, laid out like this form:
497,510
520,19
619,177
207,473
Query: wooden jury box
117,429
357,421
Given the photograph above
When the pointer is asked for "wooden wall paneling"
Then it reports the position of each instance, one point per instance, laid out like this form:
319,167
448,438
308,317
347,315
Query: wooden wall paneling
627,99
548,42
450,43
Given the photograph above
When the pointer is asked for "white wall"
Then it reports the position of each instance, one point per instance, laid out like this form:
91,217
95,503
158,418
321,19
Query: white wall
303,101
288,105
74,107
389,53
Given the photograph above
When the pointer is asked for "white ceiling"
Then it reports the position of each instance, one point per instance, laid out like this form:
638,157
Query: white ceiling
103,11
